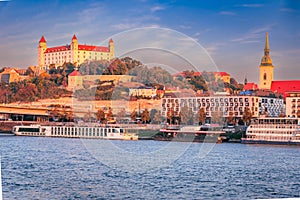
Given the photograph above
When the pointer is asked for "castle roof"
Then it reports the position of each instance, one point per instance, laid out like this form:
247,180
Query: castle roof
42,39
75,73
80,47
110,40
74,37
93,48
57,49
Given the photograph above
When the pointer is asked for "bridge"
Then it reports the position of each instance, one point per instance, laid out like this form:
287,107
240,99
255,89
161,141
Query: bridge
24,113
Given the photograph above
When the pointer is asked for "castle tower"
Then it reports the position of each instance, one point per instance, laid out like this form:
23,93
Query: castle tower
266,68
41,50
111,49
74,49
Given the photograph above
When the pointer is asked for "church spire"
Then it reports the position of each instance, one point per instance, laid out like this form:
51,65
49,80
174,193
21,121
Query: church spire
266,59
267,42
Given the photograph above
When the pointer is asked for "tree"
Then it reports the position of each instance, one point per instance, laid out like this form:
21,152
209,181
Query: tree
298,113
100,115
217,117
282,114
186,115
202,116
247,116
109,115
230,118
88,116
121,113
145,116
133,115
157,118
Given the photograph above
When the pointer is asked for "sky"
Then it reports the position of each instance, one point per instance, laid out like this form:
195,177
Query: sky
210,35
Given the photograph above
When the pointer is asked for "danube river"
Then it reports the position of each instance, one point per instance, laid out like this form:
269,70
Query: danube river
62,168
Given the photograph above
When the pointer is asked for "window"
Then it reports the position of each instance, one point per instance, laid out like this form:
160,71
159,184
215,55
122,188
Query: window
265,76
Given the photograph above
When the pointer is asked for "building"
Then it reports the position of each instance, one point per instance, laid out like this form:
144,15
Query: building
76,80
266,68
10,75
250,87
292,104
224,105
143,91
284,87
74,53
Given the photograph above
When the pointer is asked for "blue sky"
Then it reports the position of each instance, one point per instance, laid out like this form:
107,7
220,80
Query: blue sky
231,32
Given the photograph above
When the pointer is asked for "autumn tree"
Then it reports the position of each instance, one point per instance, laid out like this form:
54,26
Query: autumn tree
298,113
100,115
133,115
247,116
202,116
109,115
145,116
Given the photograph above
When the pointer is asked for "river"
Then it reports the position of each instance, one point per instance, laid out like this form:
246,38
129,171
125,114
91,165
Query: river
63,168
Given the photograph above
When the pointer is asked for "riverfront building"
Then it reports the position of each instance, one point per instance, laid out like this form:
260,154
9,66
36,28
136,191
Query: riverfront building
224,105
293,104
74,53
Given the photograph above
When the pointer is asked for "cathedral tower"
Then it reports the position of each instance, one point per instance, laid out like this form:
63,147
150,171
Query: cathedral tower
266,68
41,49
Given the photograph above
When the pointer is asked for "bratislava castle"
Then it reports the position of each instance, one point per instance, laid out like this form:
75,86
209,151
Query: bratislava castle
74,53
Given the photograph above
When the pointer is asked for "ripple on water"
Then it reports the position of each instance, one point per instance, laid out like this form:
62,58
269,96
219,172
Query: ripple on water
57,168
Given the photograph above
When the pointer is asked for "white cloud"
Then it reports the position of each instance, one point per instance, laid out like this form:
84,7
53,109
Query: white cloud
287,10
184,27
227,13
250,5
157,8
124,26
253,35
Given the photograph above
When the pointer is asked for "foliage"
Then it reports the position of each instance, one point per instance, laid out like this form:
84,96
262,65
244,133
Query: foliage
145,116
216,117
247,116
202,116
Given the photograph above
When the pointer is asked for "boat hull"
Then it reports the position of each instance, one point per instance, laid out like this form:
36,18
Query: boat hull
243,141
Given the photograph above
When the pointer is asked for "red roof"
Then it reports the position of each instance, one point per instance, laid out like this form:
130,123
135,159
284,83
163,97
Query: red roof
74,37
42,39
57,49
75,73
80,47
285,86
110,40
93,48
250,86
222,73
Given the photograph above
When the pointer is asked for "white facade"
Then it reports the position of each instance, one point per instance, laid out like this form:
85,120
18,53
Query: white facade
223,104
292,106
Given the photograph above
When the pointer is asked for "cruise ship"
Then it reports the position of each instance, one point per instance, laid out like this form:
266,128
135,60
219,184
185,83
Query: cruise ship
91,132
270,130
